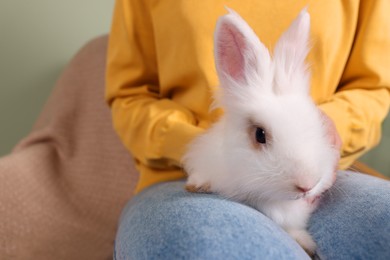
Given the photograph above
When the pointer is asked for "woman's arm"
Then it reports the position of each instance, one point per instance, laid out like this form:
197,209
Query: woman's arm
153,128
363,97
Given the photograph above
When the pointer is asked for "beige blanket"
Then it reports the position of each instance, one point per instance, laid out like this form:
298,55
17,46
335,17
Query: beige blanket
64,185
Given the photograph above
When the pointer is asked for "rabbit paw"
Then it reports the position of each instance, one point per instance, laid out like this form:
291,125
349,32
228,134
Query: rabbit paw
196,183
305,240
205,188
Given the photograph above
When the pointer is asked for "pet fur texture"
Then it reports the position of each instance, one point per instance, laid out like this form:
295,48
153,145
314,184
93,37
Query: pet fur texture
283,177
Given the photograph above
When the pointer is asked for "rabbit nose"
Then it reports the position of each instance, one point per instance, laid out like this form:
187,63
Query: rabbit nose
302,189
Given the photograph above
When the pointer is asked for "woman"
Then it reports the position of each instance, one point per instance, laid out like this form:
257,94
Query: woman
160,76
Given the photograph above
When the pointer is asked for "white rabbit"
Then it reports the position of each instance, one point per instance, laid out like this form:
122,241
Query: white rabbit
270,149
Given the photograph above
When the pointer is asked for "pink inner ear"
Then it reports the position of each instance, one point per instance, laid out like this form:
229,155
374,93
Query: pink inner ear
230,46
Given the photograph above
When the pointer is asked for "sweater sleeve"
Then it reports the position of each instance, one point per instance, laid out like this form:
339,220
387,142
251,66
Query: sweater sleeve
153,128
363,97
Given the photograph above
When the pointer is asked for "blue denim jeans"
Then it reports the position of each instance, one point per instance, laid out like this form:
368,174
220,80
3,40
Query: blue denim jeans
166,222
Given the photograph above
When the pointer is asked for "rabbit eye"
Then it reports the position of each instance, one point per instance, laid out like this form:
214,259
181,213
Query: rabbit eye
260,135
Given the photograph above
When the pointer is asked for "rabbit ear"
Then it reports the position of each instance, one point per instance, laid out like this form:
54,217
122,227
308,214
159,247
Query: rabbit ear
239,54
291,71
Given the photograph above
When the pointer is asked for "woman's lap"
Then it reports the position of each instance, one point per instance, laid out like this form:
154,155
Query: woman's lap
353,219
166,222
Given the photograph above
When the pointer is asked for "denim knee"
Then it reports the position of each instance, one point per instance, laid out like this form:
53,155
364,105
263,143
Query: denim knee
167,222
352,220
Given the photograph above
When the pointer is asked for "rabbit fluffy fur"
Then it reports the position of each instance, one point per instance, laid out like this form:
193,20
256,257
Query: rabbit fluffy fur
284,176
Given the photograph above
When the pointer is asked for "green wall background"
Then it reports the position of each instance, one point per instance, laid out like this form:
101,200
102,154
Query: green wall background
39,37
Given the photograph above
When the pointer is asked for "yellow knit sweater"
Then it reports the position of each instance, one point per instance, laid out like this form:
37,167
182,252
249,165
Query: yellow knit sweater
161,74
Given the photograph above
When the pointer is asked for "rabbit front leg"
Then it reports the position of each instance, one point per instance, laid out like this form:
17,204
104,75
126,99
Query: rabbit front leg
298,228
293,216
304,239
